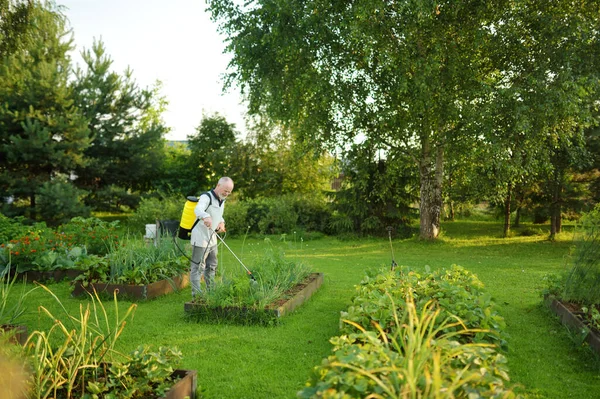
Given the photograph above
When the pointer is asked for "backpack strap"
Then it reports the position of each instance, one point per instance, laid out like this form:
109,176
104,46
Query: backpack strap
207,193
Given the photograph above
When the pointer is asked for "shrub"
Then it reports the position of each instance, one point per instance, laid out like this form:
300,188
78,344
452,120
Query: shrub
280,217
161,208
12,227
236,218
59,201
94,234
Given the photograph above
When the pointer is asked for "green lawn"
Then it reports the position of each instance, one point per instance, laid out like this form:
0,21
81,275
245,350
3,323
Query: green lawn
274,362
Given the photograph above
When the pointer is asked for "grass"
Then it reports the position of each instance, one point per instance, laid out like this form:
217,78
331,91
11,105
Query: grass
274,362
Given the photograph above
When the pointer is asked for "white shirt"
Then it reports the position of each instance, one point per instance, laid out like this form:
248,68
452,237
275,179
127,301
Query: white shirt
201,236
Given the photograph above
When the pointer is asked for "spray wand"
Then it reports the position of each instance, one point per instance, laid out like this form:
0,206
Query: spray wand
233,253
394,264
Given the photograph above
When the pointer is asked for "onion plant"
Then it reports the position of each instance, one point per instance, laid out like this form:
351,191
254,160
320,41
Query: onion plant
275,276
133,261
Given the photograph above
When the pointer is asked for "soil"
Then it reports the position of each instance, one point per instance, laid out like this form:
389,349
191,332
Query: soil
293,291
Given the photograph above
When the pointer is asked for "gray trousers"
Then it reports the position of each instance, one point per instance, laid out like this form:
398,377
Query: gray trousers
204,262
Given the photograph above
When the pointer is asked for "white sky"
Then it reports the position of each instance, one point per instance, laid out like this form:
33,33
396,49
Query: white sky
173,41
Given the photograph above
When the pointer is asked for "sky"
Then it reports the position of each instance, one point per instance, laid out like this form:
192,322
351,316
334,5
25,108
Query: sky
173,41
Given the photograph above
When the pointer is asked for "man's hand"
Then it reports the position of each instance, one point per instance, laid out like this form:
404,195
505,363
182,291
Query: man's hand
207,221
221,228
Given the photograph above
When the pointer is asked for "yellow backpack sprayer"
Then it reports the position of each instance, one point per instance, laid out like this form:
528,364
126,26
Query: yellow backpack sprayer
189,221
188,218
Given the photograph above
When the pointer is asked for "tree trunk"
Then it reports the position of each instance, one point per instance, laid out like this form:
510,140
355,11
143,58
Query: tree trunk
507,210
555,207
518,216
431,175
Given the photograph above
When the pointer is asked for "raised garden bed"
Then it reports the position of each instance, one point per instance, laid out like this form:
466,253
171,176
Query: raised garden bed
134,292
571,316
47,276
271,313
185,387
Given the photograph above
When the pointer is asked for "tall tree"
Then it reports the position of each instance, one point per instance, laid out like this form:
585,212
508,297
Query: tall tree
42,133
403,74
211,151
411,75
15,18
126,127
548,85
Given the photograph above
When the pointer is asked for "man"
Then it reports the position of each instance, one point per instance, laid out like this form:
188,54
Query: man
203,239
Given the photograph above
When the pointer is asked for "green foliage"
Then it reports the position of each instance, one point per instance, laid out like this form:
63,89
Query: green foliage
60,201
239,300
144,375
420,355
125,120
280,218
133,261
43,135
236,217
151,209
456,291
12,227
277,215
113,199
583,279
77,357
211,149
96,235
42,248
374,192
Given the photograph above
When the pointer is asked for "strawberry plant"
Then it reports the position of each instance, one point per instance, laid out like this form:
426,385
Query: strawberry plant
455,291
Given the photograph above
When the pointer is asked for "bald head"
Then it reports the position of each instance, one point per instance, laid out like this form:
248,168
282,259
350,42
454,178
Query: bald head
224,187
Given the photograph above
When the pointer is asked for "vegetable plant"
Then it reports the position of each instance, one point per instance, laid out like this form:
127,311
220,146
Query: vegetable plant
77,357
244,300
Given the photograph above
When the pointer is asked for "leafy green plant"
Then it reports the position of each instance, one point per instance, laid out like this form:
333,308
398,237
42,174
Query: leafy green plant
456,291
59,201
236,298
136,262
421,357
45,249
96,235
77,358
592,314
12,227
162,208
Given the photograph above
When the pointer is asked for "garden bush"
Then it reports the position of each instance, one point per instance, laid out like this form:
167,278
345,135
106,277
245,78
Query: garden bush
12,227
152,209
59,201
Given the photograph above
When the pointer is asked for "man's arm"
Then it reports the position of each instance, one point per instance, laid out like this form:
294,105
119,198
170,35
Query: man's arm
200,210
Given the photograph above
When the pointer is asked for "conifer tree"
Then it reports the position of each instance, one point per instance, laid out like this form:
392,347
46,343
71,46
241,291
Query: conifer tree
42,133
